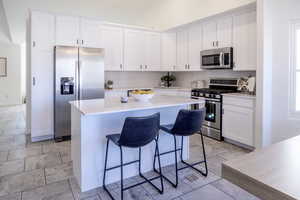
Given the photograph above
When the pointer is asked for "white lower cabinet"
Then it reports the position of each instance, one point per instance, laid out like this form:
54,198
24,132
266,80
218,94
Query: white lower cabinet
238,120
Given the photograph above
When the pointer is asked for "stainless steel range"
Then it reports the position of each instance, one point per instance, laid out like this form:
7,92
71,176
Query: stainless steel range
212,126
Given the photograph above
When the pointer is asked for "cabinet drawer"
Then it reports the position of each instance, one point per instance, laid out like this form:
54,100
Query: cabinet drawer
235,101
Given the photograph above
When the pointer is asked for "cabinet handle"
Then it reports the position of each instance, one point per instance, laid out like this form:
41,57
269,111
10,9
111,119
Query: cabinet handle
121,66
33,43
146,66
82,42
213,44
77,42
33,81
217,43
141,66
188,66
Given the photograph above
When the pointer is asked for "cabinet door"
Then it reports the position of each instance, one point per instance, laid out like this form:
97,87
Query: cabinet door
67,30
134,52
40,79
209,35
90,33
42,31
168,51
195,46
182,51
224,32
152,52
238,124
112,42
244,42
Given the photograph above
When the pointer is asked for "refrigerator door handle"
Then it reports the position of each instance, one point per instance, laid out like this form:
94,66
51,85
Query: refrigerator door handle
77,80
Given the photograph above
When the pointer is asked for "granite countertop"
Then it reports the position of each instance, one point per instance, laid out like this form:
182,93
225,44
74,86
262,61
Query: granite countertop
240,95
113,105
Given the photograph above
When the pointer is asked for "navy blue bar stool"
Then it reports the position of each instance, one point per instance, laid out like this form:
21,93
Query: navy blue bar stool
188,122
136,133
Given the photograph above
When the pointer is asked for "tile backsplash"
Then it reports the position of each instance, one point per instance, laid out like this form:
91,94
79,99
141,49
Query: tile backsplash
134,79
184,79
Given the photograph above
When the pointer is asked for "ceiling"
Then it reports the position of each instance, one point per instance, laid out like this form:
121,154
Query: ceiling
156,14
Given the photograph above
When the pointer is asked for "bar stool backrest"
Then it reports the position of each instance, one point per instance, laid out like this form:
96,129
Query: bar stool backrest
188,122
139,131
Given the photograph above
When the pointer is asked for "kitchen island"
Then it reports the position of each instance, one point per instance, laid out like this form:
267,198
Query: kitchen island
92,120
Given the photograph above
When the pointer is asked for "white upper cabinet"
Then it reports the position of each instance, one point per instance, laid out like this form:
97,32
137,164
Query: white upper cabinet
134,51
217,34
195,47
42,31
182,50
168,51
112,42
90,33
67,30
152,52
224,32
244,41
209,35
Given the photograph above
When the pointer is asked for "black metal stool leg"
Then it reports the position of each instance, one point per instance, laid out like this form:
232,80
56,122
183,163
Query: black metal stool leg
105,170
122,186
150,180
204,153
159,165
197,163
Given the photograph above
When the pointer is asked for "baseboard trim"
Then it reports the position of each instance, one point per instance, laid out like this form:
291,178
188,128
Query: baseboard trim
42,138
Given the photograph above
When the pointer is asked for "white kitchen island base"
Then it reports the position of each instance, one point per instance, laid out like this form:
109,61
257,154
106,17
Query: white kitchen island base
90,127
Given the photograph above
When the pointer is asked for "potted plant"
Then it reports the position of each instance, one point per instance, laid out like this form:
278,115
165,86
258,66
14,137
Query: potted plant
109,84
168,80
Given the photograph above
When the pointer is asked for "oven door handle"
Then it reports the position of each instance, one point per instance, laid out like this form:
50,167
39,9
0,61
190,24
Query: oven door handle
221,58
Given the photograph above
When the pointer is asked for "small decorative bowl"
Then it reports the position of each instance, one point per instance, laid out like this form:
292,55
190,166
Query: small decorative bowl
142,97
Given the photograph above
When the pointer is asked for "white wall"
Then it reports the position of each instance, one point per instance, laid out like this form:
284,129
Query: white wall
10,86
273,88
171,13
157,14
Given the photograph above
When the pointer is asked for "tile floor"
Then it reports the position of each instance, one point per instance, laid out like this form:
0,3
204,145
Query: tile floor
43,171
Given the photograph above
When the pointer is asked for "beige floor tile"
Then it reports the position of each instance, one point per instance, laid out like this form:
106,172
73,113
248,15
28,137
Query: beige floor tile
59,173
24,152
42,161
234,191
3,156
11,167
81,195
20,182
208,193
16,196
55,191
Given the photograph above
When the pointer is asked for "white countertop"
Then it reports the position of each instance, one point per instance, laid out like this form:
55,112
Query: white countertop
269,173
113,105
240,95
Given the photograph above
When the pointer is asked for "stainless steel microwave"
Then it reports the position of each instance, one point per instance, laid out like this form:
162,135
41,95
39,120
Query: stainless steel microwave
221,58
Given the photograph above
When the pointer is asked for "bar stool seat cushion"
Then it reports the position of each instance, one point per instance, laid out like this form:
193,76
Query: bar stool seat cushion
167,127
114,138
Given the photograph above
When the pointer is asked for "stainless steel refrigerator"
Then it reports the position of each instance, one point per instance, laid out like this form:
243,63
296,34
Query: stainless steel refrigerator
79,75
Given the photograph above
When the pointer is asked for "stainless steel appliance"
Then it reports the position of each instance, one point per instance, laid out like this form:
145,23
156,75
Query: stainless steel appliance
79,75
212,126
221,58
